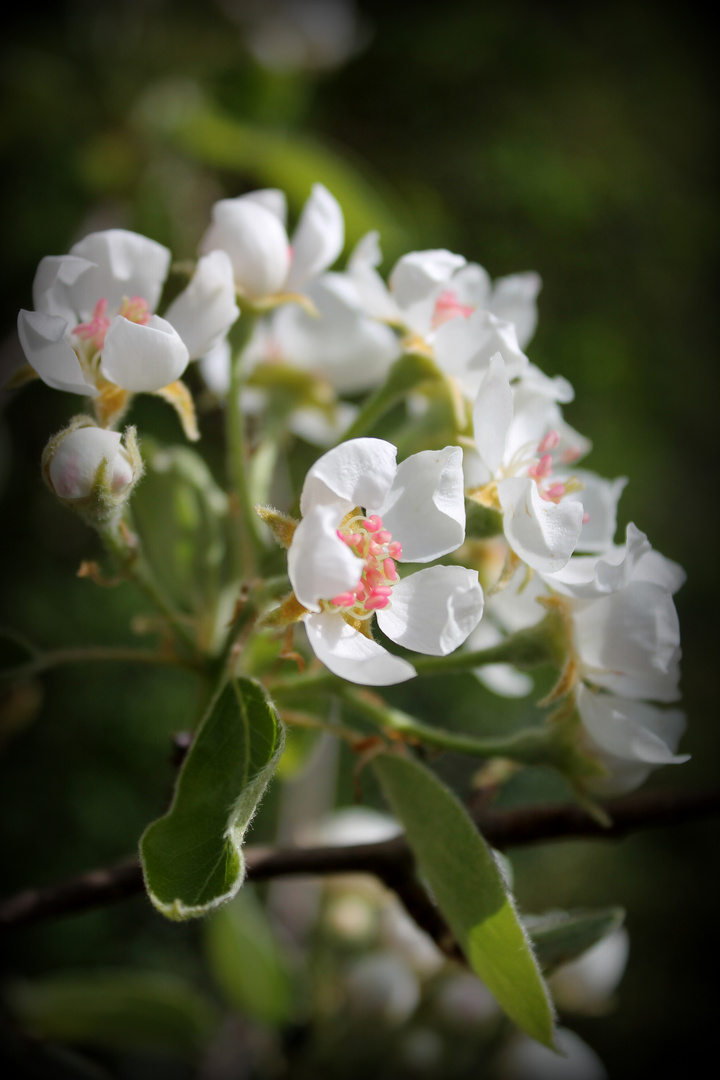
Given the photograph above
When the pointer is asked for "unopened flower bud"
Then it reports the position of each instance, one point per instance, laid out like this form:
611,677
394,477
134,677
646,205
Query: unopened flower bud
91,470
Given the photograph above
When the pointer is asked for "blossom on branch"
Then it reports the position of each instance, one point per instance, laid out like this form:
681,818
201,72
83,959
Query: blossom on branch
363,513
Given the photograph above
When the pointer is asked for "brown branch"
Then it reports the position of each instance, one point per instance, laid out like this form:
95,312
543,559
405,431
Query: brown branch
391,860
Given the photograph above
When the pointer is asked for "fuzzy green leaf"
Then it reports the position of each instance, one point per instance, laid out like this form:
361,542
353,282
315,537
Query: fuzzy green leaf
192,858
562,936
122,1009
466,882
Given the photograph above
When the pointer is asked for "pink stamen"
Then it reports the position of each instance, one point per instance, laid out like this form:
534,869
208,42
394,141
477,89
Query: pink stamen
543,468
570,455
97,328
585,518
375,545
447,306
135,310
550,441
554,493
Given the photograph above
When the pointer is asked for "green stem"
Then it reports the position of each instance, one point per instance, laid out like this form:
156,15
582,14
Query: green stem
125,550
531,746
408,371
96,654
248,538
544,643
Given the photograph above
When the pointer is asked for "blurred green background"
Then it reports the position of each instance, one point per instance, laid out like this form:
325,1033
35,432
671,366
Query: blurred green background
575,141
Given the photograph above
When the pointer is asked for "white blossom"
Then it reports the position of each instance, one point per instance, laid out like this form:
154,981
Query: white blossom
265,263
361,513
94,320
73,466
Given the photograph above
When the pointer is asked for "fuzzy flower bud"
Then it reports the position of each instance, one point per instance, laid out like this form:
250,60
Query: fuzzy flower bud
90,469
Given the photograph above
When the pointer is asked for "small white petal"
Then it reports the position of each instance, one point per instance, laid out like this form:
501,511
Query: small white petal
589,577
373,294
632,730
352,656
629,641
359,472
320,565
320,427
43,338
54,282
318,238
271,199
255,241
465,347
425,506
215,368
493,414
143,358
126,265
656,568
433,611
542,533
514,298
416,275
599,498
75,463
205,310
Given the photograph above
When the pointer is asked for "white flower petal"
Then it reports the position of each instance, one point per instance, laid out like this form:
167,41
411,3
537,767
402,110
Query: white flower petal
434,610
373,294
255,241
425,507
632,730
359,472
143,358
351,350
352,656
656,568
271,199
588,577
55,279
74,465
629,642
514,298
542,533
127,265
599,498
318,238
205,310
471,285
492,414
43,338
416,275
215,368
465,347
320,565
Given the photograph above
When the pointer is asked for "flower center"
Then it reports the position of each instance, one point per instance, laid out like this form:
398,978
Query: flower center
447,306
133,308
368,539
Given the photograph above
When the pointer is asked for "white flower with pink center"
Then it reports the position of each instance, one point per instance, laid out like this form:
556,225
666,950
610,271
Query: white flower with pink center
362,514
450,309
94,320
520,438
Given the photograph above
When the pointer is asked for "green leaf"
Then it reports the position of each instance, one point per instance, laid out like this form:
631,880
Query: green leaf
469,889
192,858
246,960
181,515
562,936
122,1009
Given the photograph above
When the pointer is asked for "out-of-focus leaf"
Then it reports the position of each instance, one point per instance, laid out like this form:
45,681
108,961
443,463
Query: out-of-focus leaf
192,857
291,161
470,891
139,1010
181,516
562,936
246,960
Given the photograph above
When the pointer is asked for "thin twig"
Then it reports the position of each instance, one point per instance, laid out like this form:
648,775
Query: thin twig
390,860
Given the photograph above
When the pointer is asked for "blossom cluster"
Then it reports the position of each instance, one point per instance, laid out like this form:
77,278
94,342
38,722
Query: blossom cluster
95,331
